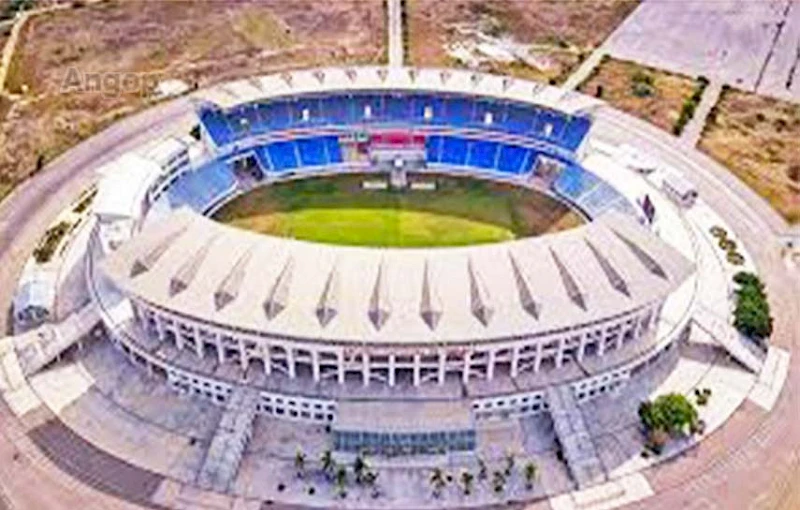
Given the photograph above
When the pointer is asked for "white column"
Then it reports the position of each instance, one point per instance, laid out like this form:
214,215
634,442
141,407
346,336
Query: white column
265,352
601,343
582,348
315,364
290,361
537,363
159,327
560,353
515,361
198,348
244,358
417,369
620,336
442,365
465,372
392,369
490,365
365,369
220,350
340,366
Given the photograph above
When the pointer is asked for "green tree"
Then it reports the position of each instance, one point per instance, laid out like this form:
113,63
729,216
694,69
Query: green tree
751,314
672,413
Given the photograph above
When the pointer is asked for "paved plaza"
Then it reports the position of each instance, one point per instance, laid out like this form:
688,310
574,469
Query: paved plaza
752,45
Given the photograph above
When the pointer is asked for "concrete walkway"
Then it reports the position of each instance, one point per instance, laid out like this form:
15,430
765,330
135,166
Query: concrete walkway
394,25
586,68
694,129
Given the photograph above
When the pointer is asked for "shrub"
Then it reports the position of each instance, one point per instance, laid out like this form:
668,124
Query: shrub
671,413
752,314
718,232
52,238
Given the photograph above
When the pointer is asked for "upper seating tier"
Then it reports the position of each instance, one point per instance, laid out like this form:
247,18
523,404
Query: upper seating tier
391,108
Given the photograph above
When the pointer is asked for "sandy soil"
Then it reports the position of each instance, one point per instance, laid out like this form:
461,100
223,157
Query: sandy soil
200,42
563,32
757,139
618,79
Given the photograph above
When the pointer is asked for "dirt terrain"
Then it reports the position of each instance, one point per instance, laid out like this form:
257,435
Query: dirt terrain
547,38
199,42
757,139
651,94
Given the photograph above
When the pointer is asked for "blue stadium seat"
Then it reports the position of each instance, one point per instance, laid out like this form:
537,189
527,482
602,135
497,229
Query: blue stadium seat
454,151
338,110
398,108
375,103
519,119
512,158
283,155
459,111
496,108
433,149
418,104
200,188
599,199
276,114
575,132
482,154
334,149
263,159
217,127
311,105
346,109
312,151
574,182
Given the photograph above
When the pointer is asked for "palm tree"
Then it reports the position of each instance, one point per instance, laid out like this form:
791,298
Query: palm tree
370,480
466,480
300,463
509,464
498,482
341,481
438,481
482,471
328,464
530,472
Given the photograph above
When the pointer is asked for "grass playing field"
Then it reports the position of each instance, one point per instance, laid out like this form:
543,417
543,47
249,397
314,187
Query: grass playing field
336,210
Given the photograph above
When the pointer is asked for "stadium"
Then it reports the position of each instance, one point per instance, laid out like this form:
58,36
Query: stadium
333,334
406,255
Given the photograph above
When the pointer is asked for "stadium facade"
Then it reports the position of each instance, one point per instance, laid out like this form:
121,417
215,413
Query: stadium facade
480,332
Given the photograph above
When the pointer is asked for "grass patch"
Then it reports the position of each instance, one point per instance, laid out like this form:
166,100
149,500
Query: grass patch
262,29
337,211
648,93
756,138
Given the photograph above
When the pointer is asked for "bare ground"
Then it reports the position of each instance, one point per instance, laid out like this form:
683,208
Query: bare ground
619,79
201,42
757,137
563,32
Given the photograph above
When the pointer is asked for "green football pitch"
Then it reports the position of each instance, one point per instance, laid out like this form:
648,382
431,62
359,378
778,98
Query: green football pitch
337,210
